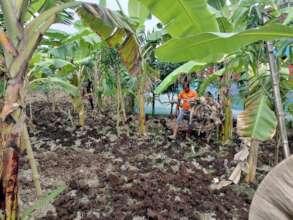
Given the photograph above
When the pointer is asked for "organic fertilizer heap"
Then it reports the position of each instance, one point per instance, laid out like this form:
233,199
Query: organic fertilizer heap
206,116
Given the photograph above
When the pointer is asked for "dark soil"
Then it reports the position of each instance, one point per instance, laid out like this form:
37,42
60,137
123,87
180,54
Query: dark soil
110,177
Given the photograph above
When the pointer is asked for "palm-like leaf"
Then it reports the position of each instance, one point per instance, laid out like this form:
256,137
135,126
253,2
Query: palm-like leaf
209,80
114,28
57,82
32,35
183,17
210,47
137,10
191,66
258,121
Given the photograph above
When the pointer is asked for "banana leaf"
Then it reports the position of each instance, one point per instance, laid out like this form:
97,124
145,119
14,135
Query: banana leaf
183,17
113,27
210,79
42,202
211,47
258,121
56,82
137,10
191,66
32,35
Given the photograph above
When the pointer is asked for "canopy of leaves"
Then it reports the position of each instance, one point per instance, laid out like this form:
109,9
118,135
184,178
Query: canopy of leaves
117,31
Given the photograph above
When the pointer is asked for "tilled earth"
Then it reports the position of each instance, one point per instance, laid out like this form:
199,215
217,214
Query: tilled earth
110,177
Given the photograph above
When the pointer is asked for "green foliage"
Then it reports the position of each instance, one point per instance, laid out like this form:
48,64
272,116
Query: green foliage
33,33
117,31
42,202
258,121
138,10
2,88
109,62
103,3
209,80
183,17
53,83
211,47
186,68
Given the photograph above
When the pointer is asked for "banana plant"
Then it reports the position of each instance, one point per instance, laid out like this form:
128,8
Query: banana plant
71,58
258,122
119,32
211,47
21,39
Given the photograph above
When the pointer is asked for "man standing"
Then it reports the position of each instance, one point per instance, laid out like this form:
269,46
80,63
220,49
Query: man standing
186,96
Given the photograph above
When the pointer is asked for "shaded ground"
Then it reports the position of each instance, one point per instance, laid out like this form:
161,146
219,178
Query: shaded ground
134,177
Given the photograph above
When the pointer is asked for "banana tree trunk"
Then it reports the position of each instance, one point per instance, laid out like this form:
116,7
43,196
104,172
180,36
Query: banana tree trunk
22,41
12,124
277,99
228,123
226,102
119,93
9,186
252,161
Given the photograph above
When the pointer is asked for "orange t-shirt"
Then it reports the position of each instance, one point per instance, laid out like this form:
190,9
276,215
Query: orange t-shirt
187,95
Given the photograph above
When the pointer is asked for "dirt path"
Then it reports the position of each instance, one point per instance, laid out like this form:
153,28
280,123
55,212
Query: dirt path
107,177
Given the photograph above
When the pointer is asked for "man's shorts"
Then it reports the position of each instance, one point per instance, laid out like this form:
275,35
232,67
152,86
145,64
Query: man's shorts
183,114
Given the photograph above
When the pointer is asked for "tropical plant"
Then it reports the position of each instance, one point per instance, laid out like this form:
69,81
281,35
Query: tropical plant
244,24
24,32
66,61
119,33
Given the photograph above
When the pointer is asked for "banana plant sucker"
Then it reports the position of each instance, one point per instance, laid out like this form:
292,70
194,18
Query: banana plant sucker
22,41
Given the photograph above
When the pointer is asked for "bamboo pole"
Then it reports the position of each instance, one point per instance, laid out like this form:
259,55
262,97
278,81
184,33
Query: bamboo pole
277,99
277,95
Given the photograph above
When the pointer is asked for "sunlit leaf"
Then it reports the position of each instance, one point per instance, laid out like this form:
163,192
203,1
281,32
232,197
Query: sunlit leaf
186,68
183,17
211,47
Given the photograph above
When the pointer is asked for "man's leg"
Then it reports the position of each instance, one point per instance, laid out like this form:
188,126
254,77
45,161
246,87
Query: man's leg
179,119
190,117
